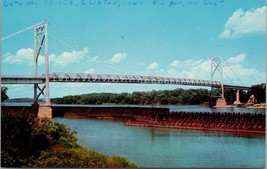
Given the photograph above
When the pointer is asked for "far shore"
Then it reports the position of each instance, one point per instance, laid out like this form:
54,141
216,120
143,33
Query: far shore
253,106
242,105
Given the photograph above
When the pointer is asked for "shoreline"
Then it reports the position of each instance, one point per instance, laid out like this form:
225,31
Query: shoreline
220,130
252,106
242,105
146,124
239,122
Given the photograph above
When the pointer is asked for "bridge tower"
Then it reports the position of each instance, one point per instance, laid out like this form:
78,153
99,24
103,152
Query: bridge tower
41,46
216,66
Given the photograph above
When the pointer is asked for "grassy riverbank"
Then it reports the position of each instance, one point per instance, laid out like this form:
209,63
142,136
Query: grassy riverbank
30,143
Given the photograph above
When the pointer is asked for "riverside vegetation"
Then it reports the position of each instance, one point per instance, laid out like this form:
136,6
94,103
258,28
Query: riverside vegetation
28,142
161,97
25,144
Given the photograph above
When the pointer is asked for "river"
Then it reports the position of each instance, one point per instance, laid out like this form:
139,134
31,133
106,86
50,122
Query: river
155,147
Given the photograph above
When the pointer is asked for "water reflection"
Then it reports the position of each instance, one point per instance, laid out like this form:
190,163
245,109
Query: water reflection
163,132
156,147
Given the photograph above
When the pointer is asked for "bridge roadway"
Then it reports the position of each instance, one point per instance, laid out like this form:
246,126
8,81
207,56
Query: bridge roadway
109,78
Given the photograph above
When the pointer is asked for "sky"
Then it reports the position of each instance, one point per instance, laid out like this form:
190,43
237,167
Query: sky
169,38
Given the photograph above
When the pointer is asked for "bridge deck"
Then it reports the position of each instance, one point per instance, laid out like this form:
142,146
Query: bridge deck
22,80
109,78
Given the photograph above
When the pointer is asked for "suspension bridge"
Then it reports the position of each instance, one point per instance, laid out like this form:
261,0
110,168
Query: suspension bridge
41,46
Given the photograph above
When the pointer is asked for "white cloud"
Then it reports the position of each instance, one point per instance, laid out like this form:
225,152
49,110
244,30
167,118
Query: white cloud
172,72
24,55
117,58
198,69
237,59
195,69
68,57
90,71
95,59
241,23
152,66
244,74
175,63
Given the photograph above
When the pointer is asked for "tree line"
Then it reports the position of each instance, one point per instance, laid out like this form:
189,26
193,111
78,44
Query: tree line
161,97
177,96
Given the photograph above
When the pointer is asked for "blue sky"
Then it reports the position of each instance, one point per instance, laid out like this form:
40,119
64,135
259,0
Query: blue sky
173,38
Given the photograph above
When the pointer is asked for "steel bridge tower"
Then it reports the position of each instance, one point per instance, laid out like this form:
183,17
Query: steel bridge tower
41,46
216,66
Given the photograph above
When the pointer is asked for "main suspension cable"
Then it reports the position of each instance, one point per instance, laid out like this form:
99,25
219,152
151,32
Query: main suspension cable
67,45
19,32
233,72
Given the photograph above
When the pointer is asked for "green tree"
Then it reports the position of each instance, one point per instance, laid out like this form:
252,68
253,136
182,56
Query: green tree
3,94
30,143
259,91
16,137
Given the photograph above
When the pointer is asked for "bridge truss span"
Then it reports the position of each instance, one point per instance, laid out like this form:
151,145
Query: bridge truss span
111,78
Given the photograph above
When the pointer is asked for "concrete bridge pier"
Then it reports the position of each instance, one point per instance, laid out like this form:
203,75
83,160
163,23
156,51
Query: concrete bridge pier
237,100
220,102
44,110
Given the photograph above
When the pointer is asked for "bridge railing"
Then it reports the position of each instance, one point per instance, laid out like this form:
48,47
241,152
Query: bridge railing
110,78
